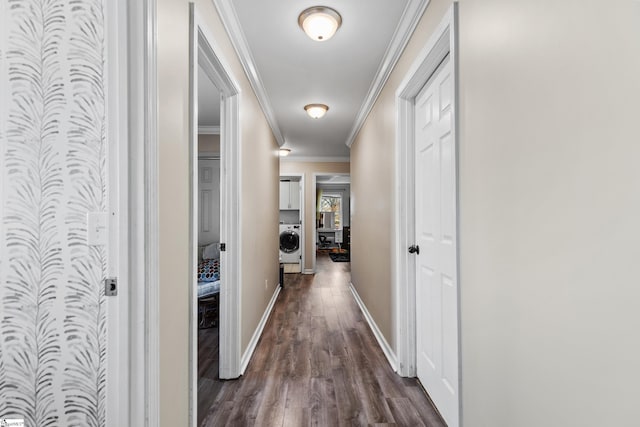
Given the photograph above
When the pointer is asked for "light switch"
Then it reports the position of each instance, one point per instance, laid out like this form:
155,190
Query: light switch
97,229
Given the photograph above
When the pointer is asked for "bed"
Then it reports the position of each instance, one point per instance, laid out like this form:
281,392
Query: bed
209,286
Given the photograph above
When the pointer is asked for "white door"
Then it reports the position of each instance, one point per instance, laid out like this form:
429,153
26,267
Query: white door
436,262
208,201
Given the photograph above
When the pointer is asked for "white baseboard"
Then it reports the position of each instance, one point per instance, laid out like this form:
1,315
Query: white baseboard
309,271
246,357
386,348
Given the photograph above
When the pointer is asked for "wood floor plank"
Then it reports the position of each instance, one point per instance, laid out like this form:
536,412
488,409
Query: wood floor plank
323,409
317,363
349,405
272,408
404,413
220,416
296,417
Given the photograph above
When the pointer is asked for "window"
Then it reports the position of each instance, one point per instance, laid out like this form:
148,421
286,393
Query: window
331,211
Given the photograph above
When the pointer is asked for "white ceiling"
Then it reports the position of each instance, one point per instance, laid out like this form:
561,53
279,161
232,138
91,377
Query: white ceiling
288,70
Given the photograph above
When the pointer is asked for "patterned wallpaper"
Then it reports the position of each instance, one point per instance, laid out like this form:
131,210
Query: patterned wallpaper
52,172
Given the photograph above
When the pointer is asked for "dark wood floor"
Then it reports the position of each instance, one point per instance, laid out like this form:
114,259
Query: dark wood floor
317,363
208,383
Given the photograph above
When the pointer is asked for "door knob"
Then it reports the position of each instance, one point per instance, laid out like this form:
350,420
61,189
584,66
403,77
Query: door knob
414,249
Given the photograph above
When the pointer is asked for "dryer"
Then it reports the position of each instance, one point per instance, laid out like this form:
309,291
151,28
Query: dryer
290,243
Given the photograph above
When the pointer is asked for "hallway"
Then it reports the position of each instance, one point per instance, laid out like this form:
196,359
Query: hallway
318,363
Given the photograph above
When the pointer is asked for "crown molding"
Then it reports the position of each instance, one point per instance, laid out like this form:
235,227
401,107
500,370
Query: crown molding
313,159
208,130
232,25
408,22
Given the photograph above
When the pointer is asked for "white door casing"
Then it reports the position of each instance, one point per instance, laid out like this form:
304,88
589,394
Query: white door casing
436,265
208,200
118,322
142,189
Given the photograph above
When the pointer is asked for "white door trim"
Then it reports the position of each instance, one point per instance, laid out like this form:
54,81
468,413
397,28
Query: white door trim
203,53
141,147
118,321
303,233
442,42
314,235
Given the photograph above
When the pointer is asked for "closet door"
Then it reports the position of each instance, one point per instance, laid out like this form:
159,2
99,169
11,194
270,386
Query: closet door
436,236
208,200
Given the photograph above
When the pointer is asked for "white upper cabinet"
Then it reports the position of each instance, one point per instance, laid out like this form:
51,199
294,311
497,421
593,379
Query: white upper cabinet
284,195
294,195
290,195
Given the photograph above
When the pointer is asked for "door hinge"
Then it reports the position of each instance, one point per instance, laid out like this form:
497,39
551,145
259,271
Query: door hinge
111,287
223,247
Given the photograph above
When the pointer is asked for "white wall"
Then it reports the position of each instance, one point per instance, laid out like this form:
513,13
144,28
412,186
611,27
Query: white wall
549,209
549,212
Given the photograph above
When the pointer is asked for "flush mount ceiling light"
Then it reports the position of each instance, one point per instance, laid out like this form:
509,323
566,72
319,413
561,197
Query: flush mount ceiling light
284,152
316,111
320,22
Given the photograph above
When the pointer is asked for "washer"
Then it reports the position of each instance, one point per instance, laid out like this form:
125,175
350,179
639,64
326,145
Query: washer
290,242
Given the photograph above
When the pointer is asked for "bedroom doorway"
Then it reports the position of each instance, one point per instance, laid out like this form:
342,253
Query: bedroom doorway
214,230
209,210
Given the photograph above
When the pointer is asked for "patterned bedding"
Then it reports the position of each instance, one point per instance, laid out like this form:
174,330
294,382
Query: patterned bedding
208,277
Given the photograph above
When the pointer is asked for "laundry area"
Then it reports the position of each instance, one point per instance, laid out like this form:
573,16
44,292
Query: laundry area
290,235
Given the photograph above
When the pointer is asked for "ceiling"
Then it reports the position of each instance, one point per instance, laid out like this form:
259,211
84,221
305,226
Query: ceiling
288,70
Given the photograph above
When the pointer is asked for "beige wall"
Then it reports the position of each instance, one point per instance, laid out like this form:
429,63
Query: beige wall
209,143
549,209
372,155
308,169
259,203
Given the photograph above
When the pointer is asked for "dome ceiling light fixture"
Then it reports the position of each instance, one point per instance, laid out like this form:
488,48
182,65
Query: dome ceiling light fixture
320,23
316,111
284,152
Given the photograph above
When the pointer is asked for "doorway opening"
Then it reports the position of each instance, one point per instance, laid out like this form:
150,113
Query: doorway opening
215,221
332,226
209,244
